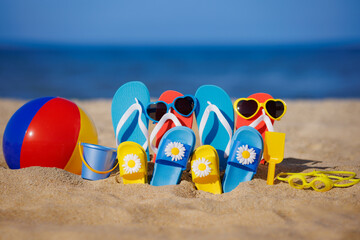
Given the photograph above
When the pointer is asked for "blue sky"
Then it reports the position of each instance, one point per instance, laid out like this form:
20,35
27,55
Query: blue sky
232,22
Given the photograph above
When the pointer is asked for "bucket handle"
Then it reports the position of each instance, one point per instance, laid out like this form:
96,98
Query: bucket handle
88,166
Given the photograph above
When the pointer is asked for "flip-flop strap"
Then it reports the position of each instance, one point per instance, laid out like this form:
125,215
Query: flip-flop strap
264,118
214,170
167,116
135,107
234,159
223,121
163,158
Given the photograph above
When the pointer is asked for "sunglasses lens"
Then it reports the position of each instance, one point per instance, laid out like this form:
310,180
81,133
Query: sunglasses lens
185,105
247,108
275,108
156,110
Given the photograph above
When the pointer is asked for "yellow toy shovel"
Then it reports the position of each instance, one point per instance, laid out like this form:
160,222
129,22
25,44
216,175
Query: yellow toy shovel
273,152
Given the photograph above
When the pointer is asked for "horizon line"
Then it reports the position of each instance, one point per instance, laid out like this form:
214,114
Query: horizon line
19,45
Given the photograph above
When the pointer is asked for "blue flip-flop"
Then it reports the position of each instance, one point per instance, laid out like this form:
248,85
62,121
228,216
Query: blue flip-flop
127,112
174,151
245,154
215,120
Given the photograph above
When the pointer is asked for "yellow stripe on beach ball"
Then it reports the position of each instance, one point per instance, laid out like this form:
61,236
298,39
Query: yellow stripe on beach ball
87,134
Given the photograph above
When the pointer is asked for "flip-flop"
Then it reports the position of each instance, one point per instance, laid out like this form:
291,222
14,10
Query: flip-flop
205,169
215,119
128,117
168,97
245,154
175,149
261,97
132,163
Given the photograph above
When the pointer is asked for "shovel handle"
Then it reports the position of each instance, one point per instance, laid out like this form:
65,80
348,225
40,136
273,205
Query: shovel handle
271,173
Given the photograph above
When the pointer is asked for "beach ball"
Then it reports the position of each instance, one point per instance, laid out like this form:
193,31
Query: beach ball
45,132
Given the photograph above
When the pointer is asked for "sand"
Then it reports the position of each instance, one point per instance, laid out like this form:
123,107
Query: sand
50,203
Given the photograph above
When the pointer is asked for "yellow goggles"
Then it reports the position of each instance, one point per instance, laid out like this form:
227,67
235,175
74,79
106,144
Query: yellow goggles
323,180
249,107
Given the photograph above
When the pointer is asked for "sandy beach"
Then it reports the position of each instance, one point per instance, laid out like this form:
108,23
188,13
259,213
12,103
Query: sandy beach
50,203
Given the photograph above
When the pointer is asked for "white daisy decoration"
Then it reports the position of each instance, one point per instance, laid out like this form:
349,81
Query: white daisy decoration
201,167
245,155
131,164
175,150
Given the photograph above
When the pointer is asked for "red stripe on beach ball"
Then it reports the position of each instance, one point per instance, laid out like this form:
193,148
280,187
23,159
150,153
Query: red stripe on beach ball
52,135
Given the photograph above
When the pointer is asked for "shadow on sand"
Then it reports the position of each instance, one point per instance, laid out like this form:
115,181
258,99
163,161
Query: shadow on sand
293,165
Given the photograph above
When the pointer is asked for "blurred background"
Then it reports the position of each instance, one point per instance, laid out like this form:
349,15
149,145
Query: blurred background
88,49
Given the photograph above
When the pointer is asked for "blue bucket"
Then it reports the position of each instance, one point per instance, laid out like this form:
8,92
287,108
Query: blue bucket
98,161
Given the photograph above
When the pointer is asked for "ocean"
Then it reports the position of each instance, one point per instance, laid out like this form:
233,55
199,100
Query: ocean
86,73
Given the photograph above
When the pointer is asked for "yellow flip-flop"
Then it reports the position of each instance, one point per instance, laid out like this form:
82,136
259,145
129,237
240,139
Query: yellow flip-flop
205,169
132,163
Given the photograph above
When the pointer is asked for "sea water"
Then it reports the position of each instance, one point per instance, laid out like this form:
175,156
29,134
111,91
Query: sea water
89,72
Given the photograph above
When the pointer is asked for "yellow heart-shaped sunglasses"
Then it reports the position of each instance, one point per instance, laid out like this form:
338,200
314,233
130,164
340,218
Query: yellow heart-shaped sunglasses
249,107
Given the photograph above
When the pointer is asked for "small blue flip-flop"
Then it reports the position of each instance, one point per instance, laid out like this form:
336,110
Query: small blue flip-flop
215,119
127,112
245,154
174,151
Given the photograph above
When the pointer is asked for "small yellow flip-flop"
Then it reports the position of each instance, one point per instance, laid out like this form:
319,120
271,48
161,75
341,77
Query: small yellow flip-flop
205,169
132,163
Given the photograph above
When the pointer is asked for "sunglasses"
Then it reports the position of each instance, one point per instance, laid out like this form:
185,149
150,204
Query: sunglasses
183,105
249,107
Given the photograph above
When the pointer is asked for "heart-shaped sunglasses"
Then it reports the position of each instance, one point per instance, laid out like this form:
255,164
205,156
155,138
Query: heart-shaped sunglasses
249,107
183,105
